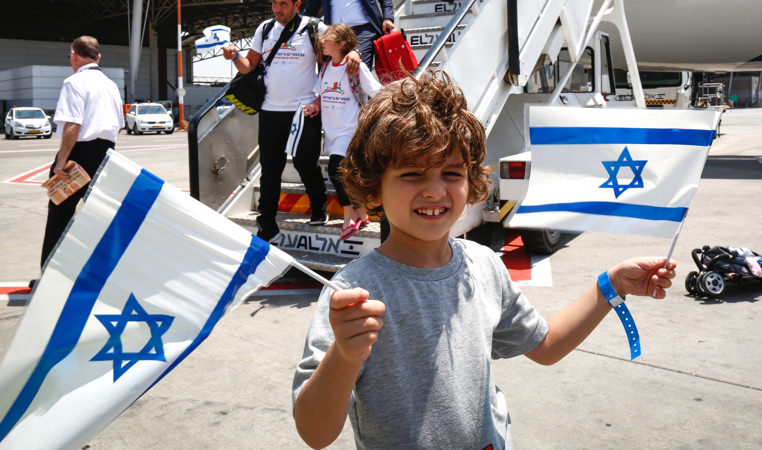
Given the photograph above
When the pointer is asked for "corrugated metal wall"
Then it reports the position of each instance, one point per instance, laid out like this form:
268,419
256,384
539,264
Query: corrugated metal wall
21,53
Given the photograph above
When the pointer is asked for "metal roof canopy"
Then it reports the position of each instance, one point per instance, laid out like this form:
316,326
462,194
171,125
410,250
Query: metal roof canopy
107,20
111,21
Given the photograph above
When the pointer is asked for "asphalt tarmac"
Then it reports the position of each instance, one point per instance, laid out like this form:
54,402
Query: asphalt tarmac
697,384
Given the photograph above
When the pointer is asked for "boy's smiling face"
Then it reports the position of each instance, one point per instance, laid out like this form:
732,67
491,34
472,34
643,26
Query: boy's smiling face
421,203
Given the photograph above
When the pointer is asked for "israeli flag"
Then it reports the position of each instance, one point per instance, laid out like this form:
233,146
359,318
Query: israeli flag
617,170
138,281
295,134
215,37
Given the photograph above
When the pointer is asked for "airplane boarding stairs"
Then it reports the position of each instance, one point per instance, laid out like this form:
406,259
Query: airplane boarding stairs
489,52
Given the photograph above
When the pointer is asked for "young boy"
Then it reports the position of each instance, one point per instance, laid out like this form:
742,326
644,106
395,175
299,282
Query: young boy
412,368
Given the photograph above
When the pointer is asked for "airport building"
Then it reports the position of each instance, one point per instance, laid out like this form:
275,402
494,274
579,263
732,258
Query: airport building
141,59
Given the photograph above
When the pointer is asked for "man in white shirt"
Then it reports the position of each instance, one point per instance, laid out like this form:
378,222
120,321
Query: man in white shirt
290,81
89,115
364,16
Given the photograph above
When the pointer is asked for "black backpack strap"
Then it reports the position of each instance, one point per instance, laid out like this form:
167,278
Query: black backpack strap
287,32
312,32
266,29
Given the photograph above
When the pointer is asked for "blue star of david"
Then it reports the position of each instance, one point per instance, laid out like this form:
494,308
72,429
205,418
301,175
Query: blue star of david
153,350
612,167
294,128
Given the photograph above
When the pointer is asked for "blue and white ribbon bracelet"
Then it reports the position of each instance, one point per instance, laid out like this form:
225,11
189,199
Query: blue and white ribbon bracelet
617,302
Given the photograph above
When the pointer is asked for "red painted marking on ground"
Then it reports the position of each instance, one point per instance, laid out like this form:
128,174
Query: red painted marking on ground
516,258
24,178
18,290
288,285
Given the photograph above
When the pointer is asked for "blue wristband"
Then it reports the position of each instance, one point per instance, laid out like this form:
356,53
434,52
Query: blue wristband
237,54
617,302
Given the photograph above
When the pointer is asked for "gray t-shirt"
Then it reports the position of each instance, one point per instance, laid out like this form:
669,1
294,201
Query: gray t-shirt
428,382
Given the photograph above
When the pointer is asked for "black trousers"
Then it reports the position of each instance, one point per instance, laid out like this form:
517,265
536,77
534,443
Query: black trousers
89,155
366,34
337,179
274,128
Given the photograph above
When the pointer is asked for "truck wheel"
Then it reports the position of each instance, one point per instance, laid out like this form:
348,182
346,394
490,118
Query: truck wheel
543,242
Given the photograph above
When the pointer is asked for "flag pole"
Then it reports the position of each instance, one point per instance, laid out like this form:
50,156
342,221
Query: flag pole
315,275
672,247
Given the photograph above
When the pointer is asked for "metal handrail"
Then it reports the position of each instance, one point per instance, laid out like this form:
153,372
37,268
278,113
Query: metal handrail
437,46
193,140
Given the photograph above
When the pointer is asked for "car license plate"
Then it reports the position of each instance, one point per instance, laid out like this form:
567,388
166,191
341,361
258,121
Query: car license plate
34,131
158,126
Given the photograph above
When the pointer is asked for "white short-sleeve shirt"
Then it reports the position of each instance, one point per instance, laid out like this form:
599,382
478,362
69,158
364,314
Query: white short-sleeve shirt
290,79
91,99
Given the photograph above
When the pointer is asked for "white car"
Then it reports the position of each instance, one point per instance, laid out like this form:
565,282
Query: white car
143,117
27,122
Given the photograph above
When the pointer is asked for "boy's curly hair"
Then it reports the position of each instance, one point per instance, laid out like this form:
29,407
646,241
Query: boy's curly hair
410,119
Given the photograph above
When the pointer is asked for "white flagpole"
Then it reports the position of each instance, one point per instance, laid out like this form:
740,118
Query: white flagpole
314,275
672,248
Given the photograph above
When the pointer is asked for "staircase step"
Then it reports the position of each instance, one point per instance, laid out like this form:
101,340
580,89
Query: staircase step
434,7
424,37
318,247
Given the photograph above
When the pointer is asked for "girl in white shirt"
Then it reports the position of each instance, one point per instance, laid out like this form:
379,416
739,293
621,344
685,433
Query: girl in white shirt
340,99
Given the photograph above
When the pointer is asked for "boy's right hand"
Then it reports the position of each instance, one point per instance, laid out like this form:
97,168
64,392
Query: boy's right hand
355,321
229,52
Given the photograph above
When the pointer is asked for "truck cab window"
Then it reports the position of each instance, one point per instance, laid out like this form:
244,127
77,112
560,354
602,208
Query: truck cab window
582,76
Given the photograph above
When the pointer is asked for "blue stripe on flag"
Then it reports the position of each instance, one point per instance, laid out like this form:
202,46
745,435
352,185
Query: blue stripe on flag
213,44
601,135
294,144
257,252
675,214
88,285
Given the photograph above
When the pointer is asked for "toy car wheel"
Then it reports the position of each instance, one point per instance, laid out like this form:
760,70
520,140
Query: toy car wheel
690,282
712,283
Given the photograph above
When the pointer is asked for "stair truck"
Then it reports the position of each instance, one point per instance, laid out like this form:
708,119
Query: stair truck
504,54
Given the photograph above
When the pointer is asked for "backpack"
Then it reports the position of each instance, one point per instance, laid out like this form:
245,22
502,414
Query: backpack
354,82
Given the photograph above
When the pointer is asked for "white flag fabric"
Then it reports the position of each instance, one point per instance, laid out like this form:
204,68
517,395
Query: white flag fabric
297,125
138,281
215,37
609,169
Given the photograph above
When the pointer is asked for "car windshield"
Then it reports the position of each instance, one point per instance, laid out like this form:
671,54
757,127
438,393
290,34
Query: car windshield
152,109
30,114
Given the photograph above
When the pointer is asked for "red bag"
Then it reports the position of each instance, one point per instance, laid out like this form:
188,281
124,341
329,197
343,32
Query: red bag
394,57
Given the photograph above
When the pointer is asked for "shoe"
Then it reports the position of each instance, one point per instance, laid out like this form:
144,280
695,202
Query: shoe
318,219
349,231
267,235
364,223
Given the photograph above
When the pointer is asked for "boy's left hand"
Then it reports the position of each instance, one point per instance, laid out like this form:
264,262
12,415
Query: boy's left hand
643,276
